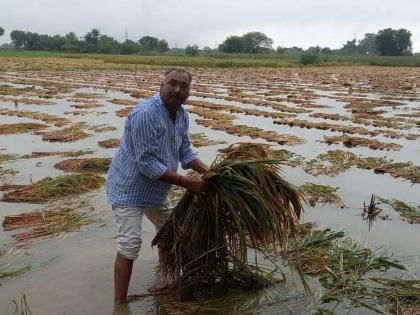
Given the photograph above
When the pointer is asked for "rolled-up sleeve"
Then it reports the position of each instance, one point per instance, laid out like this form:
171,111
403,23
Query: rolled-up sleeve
186,154
145,139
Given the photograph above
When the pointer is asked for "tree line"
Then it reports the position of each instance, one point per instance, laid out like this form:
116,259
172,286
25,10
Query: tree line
91,42
386,42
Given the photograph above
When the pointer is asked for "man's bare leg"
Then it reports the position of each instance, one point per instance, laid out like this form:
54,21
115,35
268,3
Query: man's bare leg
122,274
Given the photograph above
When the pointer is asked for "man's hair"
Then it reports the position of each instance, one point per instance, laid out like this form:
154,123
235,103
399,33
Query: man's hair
179,69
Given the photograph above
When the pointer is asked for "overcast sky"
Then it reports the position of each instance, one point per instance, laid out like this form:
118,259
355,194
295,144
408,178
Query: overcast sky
302,23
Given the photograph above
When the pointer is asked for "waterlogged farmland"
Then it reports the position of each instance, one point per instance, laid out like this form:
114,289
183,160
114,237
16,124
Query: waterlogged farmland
344,133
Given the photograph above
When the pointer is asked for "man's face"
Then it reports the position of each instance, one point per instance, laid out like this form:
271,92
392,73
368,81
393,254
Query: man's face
174,90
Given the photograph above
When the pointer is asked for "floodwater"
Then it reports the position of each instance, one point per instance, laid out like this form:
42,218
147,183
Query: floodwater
73,273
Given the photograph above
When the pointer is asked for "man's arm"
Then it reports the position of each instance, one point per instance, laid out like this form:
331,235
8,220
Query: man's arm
191,183
199,166
145,139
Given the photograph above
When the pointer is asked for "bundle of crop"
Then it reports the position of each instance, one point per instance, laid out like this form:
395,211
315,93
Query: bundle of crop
248,207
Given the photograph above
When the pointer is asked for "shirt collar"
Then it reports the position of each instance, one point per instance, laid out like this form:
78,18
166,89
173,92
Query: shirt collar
160,103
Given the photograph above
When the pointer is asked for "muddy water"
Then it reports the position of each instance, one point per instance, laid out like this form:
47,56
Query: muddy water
72,274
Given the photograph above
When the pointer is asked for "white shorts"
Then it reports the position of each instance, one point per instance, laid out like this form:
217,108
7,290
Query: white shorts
129,226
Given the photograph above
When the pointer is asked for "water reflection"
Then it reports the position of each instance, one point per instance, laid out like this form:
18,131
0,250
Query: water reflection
122,308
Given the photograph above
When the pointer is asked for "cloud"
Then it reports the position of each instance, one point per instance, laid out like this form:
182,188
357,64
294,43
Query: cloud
290,23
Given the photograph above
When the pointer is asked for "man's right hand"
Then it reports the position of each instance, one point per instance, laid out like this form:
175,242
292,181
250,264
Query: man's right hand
193,183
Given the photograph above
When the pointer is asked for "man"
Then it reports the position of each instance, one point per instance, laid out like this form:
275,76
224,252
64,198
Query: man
154,141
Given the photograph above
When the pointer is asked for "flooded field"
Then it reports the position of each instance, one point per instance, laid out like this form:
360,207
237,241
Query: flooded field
345,134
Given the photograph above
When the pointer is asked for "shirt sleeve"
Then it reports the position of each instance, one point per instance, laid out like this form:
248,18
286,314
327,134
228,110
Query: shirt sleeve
145,139
186,154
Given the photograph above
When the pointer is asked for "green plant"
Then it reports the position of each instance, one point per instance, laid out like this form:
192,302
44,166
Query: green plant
308,58
248,205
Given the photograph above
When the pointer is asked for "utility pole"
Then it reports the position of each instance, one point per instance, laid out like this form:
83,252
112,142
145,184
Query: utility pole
126,34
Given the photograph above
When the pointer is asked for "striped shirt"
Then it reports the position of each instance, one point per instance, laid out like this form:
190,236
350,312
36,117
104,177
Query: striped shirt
151,143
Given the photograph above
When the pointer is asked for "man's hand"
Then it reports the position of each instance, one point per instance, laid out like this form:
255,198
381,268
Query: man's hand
193,183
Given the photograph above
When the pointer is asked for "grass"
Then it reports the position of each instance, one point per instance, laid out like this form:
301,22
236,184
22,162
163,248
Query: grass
46,223
10,271
244,304
287,157
222,60
76,153
406,211
68,134
18,53
342,268
102,128
109,143
48,118
53,188
334,162
201,140
316,193
7,171
21,307
6,129
176,194
373,144
224,122
25,100
38,154
123,112
124,101
204,245
96,165
317,252
380,295
371,211
7,157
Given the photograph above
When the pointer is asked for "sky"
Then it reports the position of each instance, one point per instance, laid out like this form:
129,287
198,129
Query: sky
302,23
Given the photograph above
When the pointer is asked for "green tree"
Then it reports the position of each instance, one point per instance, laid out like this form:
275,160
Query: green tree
1,31
254,42
31,41
107,45
207,49
57,42
281,50
314,49
232,44
368,45
129,47
191,50
43,42
18,38
91,40
162,46
327,51
72,43
149,43
289,51
309,57
349,48
394,42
